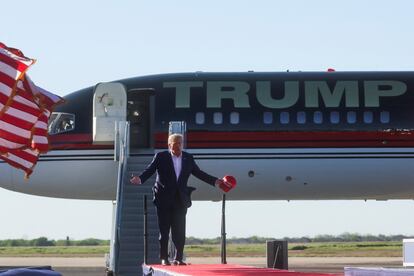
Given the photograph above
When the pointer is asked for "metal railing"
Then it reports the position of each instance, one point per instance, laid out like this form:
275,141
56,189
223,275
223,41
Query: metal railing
145,230
121,153
223,231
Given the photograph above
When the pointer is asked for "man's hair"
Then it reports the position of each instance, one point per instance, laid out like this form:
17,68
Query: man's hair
175,136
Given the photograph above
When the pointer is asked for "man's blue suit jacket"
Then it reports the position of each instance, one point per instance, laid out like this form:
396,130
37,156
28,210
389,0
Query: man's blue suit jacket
166,185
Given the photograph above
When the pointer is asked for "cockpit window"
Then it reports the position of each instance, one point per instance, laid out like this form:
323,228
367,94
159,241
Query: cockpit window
61,122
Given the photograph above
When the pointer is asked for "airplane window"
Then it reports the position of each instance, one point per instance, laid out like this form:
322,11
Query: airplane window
267,118
368,117
234,118
301,117
351,117
284,117
52,118
385,117
218,118
317,117
61,122
200,118
334,117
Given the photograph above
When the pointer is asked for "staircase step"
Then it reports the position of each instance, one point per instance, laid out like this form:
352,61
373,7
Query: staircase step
152,232
131,240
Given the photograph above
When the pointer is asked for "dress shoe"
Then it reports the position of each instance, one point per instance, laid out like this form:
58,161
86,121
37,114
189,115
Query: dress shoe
176,262
165,262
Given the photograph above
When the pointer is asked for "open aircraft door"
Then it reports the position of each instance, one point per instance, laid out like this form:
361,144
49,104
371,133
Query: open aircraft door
109,106
140,114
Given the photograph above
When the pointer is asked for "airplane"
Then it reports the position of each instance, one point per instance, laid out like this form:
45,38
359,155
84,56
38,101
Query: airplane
283,135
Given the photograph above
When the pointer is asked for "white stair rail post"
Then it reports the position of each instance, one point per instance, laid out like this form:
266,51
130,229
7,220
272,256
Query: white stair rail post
121,153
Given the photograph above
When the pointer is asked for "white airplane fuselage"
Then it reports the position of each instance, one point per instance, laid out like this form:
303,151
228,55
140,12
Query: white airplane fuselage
274,174
284,136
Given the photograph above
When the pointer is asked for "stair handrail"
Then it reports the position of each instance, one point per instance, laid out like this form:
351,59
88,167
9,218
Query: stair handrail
121,154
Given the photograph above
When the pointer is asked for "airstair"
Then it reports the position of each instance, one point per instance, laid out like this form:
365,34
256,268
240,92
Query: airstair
127,243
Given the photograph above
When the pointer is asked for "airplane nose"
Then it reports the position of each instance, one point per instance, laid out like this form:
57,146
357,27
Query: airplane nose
6,180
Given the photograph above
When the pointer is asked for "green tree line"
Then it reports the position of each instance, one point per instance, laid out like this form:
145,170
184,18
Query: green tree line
345,237
43,241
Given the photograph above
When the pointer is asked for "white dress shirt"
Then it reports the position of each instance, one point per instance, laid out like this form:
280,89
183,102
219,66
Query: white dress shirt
177,161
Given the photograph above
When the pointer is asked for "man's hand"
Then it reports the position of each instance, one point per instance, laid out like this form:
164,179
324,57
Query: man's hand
219,182
135,180
226,183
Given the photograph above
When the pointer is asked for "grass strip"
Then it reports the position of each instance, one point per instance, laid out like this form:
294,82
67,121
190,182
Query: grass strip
328,249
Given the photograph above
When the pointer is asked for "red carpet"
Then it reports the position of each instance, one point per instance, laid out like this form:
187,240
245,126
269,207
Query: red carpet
219,269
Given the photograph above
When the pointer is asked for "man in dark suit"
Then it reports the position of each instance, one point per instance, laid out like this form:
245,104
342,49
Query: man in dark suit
172,196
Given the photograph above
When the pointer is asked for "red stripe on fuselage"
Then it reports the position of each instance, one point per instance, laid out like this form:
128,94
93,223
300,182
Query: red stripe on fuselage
207,139
311,139
74,142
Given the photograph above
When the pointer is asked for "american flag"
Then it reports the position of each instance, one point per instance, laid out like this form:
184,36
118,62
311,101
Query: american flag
24,112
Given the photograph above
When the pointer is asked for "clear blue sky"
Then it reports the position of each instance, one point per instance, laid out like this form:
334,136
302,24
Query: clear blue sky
79,43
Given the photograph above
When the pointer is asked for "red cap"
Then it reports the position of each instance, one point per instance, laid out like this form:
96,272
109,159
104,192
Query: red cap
229,183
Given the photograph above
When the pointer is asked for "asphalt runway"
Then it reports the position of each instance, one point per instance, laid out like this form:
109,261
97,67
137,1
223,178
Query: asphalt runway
96,266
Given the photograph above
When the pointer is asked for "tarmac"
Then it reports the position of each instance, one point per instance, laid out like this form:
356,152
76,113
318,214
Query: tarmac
95,266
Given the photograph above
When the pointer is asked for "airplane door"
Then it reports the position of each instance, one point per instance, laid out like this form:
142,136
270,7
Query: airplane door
109,106
139,117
